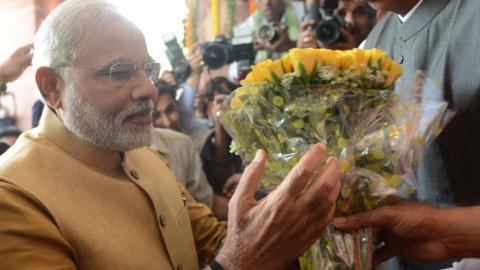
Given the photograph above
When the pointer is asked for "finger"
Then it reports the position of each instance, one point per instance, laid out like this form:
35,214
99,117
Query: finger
306,24
299,176
326,187
250,180
348,36
219,98
24,50
373,218
231,183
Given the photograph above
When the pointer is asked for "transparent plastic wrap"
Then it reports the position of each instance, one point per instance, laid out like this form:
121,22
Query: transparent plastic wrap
341,98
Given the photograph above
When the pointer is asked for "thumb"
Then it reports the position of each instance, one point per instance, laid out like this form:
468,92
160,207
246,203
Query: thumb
250,180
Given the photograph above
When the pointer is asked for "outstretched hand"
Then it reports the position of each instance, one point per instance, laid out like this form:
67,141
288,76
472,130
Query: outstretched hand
14,66
273,232
410,229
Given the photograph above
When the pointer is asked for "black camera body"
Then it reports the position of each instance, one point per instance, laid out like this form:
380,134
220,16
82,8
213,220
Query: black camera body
221,51
327,26
180,66
217,53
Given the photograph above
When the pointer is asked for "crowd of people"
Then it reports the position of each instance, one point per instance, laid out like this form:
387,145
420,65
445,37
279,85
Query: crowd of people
94,186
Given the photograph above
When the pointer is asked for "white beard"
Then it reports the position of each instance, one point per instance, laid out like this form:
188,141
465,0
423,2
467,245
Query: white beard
105,129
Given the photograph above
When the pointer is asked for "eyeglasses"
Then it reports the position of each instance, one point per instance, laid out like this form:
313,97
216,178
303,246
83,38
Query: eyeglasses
122,72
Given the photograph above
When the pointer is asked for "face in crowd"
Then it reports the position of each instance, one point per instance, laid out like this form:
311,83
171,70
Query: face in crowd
167,113
357,18
106,93
272,10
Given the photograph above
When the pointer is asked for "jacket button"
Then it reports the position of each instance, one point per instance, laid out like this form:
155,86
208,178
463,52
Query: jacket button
400,59
134,174
162,220
179,267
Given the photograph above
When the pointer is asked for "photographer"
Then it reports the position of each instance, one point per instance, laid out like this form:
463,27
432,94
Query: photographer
358,19
274,28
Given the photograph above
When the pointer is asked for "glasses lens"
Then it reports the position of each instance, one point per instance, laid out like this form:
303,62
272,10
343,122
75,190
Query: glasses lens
122,72
152,70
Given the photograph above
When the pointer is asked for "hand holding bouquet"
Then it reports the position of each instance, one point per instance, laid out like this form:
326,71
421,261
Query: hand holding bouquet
341,98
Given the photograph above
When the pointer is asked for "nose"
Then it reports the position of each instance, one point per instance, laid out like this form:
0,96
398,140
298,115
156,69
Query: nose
144,89
350,18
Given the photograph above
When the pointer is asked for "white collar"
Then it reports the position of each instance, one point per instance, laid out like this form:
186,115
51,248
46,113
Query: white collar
403,19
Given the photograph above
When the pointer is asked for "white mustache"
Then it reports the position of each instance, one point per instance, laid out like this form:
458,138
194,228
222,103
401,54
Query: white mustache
146,106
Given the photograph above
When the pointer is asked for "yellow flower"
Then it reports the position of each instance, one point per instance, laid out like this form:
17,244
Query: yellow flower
236,103
361,59
304,61
394,72
376,56
329,58
276,70
249,79
262,70
347,60
241,91
287,63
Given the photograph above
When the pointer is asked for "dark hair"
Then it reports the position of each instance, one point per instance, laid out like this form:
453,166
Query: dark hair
216,84
10,131
164,88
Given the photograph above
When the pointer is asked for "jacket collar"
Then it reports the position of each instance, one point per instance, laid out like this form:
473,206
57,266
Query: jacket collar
425,13
52,127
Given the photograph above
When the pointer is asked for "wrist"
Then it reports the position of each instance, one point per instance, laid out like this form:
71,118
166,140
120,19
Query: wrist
460,231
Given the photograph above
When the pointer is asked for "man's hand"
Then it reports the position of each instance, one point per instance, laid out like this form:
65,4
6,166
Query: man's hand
307,38
273,232
283,43
196,63
409,229
231,185
348,44
14,66
218,108
195,60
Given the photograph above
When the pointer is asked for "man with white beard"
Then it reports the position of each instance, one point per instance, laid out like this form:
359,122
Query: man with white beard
82,192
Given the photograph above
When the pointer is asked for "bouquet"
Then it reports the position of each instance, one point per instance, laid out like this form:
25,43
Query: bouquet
343,99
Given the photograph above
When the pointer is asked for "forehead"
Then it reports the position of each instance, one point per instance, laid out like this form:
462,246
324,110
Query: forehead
348,5
112,39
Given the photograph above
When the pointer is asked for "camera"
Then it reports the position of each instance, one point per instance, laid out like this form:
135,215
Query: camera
267,33
180,66
327,26
217,53
221,51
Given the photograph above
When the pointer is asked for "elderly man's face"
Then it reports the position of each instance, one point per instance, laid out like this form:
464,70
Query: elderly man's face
102,103
272,10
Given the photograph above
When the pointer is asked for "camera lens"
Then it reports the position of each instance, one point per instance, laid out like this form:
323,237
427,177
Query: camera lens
215,56
328,31
267,33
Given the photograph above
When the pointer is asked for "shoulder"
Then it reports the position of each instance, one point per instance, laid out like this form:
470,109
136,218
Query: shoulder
170,135
167,140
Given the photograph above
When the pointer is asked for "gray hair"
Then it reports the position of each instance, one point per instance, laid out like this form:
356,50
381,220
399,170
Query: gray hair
56,41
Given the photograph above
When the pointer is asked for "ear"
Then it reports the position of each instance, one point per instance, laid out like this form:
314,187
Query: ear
49,86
